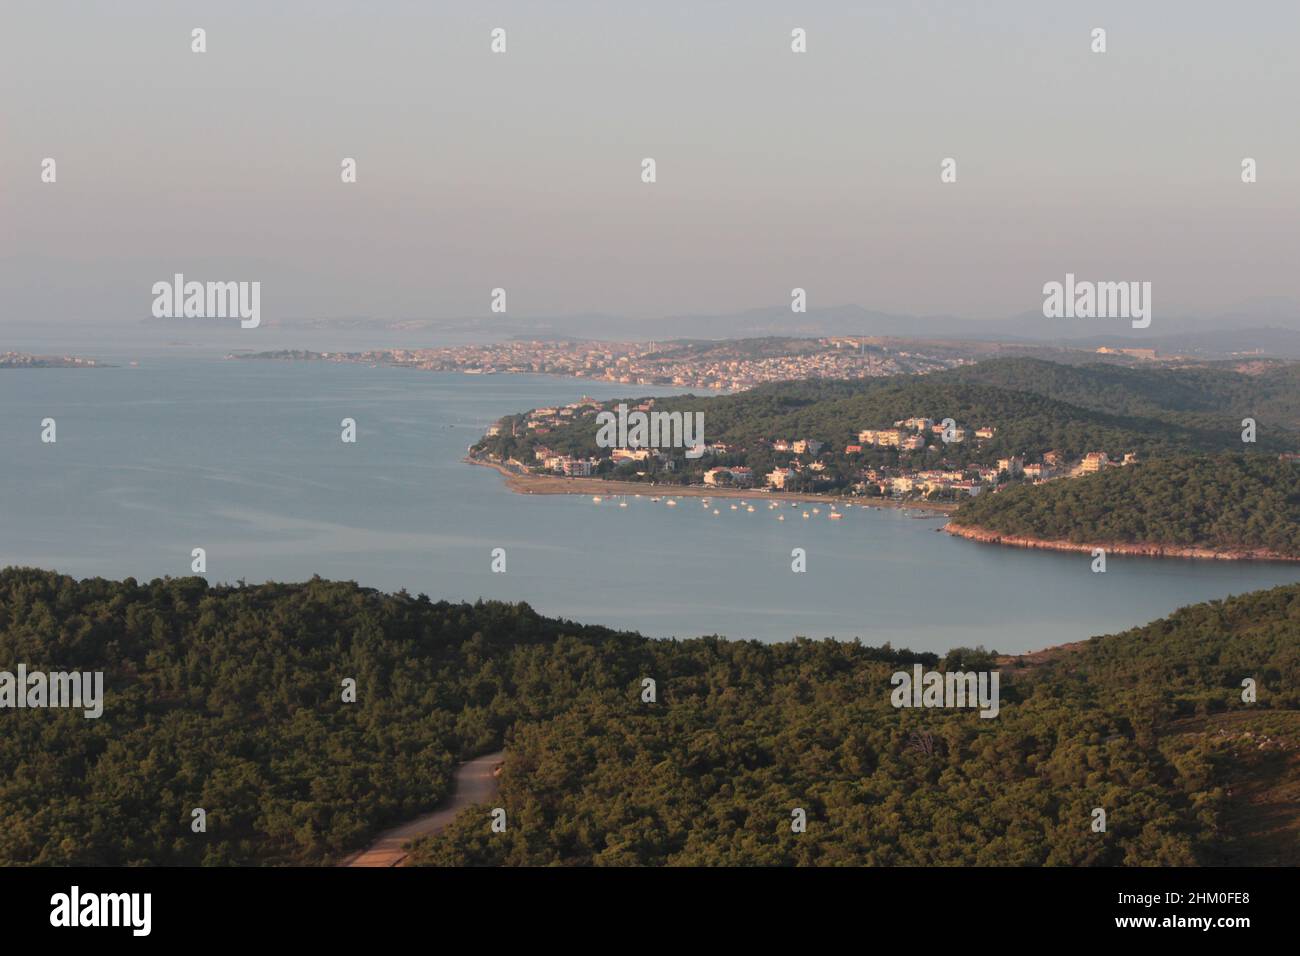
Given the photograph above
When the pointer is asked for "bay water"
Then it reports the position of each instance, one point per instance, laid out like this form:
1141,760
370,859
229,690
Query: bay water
244,459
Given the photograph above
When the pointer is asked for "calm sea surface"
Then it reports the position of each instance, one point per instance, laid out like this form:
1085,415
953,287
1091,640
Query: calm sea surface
243,458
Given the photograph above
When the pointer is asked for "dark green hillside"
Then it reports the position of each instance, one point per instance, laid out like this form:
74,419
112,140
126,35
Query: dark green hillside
228,698
1148,724
1203,397
1226,503
1026,422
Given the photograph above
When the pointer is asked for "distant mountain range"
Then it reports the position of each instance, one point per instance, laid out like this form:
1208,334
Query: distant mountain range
1264,326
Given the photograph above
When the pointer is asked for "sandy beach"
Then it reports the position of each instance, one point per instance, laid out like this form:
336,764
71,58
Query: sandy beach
554,485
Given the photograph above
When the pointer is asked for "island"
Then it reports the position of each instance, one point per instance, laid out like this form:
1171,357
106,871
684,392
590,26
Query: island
982,441
27,360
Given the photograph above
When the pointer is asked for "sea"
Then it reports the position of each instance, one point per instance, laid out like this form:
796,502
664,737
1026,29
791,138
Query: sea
243,458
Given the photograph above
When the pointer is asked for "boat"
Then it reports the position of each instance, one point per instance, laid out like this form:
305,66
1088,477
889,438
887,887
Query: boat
835,514
750,508
595,499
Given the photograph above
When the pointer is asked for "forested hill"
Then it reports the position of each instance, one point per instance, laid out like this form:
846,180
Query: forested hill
1195,396
1026,421
1034,405
1148,725
228,698
1225,503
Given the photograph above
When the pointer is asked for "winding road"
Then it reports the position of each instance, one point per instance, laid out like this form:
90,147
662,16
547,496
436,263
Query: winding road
473,782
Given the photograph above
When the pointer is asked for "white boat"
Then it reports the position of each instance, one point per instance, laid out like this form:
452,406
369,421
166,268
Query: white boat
595,499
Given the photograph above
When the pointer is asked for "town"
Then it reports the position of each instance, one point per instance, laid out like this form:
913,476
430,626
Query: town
25,360
906,460
730,366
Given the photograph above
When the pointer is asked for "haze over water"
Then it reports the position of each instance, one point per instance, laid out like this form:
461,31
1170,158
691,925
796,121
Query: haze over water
244,459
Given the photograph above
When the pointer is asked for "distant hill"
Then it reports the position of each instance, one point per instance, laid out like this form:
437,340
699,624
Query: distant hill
1208,343
1270,326
1206,397
1031,415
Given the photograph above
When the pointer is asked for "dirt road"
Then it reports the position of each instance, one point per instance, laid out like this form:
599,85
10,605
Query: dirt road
472,783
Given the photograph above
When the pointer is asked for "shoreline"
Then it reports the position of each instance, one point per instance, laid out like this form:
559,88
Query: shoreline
699,391
985,536
555,485
524,484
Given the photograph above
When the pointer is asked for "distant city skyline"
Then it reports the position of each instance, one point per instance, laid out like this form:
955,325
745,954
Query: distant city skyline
521,170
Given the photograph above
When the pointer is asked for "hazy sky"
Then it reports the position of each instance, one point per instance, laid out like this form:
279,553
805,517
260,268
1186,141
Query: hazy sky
522,170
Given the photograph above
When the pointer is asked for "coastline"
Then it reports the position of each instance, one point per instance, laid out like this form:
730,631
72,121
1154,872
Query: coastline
985,536
555,485
699,390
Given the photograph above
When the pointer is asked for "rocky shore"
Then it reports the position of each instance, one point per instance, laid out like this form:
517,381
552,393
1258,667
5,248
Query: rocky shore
985,536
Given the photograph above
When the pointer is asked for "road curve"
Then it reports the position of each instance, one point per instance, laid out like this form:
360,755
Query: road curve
473,782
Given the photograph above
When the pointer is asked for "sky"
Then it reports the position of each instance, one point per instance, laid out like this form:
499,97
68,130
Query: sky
522,170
